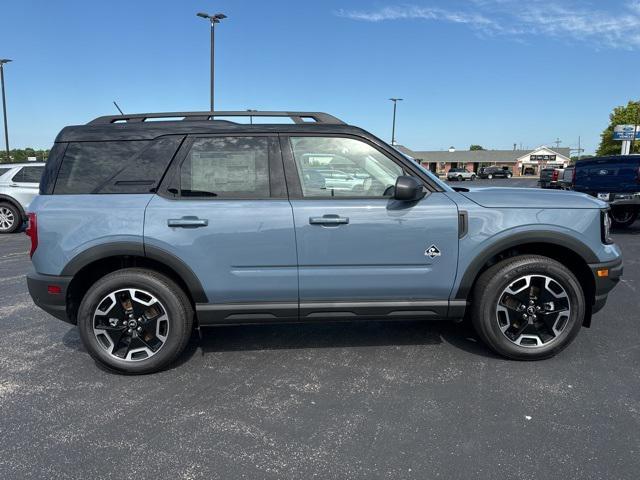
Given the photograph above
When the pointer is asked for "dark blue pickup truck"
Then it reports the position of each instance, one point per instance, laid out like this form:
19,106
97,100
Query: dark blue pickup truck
614,179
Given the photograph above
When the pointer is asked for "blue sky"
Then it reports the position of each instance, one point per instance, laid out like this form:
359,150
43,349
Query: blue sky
493,72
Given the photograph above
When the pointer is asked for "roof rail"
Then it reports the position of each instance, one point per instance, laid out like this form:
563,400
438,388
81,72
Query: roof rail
297,117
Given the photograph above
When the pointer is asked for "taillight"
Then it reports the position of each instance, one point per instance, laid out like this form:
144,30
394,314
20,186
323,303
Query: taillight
32,232
554,176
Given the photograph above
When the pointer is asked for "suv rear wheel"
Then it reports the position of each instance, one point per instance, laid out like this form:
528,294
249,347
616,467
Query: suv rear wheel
528,307
135,320
10,218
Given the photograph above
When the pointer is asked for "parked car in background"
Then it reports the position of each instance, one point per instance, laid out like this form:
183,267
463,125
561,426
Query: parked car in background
546,178
18,187
495,172
565,181
614,179
460,174
144,230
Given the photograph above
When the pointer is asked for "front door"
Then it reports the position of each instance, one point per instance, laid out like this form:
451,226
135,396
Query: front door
226,216
360,252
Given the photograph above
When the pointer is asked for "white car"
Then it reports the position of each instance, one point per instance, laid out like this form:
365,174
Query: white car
460,174
19,184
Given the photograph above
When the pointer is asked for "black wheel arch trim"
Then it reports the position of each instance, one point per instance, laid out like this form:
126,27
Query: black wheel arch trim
516,240
137,249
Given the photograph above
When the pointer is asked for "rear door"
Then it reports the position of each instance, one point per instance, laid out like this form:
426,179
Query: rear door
223,211
360,252
25,183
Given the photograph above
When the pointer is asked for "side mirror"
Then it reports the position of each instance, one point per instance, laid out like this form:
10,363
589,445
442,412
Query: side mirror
408,189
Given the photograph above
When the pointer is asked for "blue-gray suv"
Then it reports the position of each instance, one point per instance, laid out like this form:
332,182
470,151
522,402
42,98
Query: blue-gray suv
148,226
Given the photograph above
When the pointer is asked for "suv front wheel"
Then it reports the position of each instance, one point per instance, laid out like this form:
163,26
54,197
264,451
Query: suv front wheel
135,320
528,307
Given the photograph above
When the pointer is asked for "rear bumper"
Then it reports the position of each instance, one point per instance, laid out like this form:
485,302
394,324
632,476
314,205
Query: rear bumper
605,284
53,303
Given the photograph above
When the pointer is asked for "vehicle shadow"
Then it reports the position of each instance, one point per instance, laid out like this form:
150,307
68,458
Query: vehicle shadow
632,230
335,335
318,335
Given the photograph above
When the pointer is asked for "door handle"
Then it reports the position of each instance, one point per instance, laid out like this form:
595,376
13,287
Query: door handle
188,222
329,220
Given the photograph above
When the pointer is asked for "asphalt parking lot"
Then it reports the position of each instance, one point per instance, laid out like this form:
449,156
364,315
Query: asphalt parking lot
354,400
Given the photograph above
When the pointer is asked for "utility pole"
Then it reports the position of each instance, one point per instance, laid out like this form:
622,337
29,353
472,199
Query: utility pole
393,128
579,150
4,108
558,142
213,19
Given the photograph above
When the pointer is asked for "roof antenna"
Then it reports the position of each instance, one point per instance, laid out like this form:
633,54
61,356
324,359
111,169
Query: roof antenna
121,112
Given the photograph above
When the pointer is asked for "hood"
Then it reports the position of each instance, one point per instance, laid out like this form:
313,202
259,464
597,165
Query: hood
497,197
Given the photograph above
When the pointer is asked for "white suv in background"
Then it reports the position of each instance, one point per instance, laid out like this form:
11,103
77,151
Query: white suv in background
19,184
460,174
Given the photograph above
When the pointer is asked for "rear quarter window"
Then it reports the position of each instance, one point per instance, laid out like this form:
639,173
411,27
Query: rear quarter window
28,175
4,170
135,166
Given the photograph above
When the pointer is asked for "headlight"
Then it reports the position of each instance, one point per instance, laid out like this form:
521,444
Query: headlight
606,227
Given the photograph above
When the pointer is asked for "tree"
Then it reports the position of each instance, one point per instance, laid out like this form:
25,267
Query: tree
19,155
623,115
476,147
575,158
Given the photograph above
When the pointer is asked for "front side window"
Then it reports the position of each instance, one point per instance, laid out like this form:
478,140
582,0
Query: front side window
226,167
343,167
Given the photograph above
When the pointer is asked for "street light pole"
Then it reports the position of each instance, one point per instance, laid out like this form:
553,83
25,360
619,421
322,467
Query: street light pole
213,19
4,107
393,128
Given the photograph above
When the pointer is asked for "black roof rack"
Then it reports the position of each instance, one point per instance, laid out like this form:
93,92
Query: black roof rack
297,117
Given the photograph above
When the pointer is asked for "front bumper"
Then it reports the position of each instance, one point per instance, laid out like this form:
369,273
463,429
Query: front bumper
605,284
42,289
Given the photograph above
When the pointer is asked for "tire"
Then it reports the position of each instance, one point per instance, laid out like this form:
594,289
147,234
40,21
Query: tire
10,218
623,217
509,175
460,179
490,176
169,334
516,339
473,178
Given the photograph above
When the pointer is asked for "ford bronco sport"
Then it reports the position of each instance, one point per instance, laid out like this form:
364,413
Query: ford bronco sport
145,230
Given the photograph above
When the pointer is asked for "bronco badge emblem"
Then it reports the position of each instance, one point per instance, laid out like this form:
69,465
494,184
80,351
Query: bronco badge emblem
432,252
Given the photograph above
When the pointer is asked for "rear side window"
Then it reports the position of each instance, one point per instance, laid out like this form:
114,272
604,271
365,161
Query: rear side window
4,170
145,172
115,167
28,175
226,167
